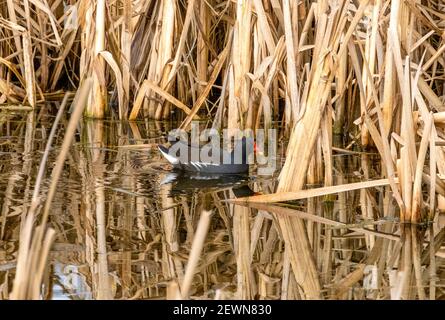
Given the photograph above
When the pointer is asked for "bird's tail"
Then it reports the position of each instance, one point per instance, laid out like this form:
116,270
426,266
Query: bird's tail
243,191
165,152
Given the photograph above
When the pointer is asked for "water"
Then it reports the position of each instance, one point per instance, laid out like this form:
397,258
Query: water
125,225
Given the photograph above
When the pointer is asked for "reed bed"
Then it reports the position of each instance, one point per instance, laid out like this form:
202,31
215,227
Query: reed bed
118,233
334,77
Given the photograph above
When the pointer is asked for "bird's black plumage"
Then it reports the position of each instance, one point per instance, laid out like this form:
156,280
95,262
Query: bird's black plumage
226,162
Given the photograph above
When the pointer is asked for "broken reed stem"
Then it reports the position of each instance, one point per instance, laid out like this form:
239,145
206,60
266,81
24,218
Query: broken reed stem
310,193
195,252
44,160
79,104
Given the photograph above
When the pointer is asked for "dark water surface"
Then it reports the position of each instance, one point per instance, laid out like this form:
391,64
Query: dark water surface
125,225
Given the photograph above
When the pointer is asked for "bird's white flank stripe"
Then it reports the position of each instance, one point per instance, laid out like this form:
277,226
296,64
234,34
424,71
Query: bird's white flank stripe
169,157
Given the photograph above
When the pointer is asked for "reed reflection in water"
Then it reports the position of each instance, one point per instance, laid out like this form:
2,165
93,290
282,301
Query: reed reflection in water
127,228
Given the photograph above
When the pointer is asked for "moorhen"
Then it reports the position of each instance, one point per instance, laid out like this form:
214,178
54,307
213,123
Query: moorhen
230,166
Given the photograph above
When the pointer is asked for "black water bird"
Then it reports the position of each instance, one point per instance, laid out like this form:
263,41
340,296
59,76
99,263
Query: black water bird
229,162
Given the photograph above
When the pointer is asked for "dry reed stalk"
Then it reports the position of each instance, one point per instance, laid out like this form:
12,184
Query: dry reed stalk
97,106
340,103
126,38
96,136
312,203
39,178
195,252
12,181
16,108
406,265
221,59
284,211
103,286
87,220
241,235
241,52
165,51
417,188
201,47
432,267
256,232
29,69
68,37
146,86
310,193
295,237
365,199
390,80
13,18
285,280
122,96
326,142
28,161
416,247
182,39
305,131
34,245
233,113
173,292
369,63
172,268
345,284
292,86
264,25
